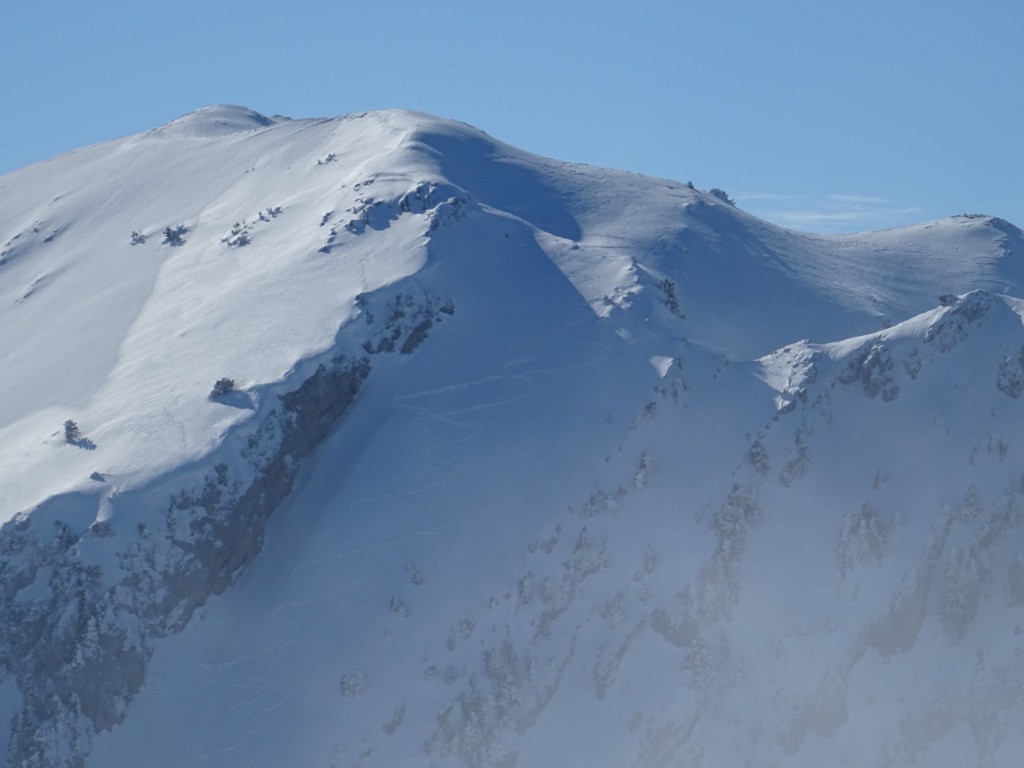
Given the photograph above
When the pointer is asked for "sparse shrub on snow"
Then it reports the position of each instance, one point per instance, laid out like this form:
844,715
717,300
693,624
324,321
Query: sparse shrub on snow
354,684
138,238
757,456
396,606
722,195
415,575
73,436
173,235
222,387
239,235
1011,376
671,294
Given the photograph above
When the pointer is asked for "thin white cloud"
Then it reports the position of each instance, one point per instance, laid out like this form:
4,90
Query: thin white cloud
830,214
764,196
860,199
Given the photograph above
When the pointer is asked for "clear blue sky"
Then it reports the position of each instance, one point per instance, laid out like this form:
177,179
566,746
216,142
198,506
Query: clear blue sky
827,115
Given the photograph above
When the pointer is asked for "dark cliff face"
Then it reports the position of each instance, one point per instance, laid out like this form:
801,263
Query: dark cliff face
81,607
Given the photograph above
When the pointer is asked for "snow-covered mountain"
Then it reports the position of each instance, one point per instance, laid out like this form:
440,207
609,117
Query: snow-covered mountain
512,462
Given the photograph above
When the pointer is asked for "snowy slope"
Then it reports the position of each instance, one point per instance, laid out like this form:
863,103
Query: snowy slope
530,463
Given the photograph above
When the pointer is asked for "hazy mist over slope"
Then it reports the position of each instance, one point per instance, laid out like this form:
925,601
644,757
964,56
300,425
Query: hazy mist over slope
525,463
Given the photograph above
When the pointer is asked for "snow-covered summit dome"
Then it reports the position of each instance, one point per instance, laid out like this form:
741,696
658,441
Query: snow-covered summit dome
215,120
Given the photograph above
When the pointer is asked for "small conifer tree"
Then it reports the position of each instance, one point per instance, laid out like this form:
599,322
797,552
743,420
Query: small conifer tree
173,235
222,387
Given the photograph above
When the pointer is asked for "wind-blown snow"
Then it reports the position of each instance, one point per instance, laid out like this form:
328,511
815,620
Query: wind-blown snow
611,472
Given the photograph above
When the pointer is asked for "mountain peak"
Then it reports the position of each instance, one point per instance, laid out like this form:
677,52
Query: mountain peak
375,439
215,120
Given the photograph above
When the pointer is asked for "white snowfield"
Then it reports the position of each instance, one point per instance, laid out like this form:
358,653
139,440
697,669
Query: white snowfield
525,464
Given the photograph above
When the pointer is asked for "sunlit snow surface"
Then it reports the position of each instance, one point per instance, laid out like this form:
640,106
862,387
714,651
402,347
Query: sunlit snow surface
661,485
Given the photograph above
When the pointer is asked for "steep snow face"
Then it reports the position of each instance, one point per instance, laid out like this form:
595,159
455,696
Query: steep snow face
512,447
808,559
